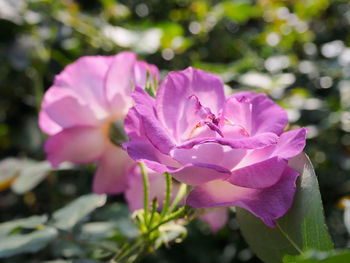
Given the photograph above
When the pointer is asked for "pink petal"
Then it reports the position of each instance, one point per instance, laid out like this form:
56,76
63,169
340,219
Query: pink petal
140,73
266,115
258,175
111,174
216,218
210,153
47,125
118,82
86,78
65,108
199,173
177,87
290,144
153,129
268,204
78,145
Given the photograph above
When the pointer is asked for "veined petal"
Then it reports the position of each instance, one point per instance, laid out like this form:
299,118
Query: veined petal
290,144
268,204
259,175
266,115
177,87
153,129
255,142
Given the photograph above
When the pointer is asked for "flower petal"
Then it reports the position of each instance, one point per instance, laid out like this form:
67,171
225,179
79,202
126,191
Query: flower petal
255,142
216,218
47,125
259,175
118,82
268,204
266,115
210,153
177,87
78,145
290,144
65,108
199,173
140,73
86,78
154,131
111,174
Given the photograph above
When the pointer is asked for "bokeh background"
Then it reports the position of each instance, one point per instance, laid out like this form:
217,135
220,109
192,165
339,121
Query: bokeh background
297,51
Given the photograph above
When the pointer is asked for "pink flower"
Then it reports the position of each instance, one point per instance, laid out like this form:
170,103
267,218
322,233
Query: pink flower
77,112
233,150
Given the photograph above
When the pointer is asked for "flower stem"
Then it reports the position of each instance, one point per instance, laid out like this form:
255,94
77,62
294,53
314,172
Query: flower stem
167,196
172,216
153,211
145,191
289,239
180,194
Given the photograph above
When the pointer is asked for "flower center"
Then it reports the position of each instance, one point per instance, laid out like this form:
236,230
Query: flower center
114,131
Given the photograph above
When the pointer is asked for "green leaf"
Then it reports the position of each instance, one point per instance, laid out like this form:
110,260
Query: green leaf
303,226
30,222
32,242
31,176
119,215
67,217
320,256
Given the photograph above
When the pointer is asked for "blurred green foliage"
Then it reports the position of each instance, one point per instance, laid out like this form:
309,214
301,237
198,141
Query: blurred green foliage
297,51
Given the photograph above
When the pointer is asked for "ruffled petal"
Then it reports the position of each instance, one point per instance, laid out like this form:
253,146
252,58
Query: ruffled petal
290,144
210,153
78,145
177,87
268,204
111,174
153,129
255,142
266,115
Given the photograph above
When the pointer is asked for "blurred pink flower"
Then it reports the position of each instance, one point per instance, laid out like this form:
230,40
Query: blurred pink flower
78,110
232,150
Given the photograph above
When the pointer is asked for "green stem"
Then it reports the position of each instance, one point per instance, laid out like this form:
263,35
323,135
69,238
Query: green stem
145,191
172,216
153,211
289,239
127,251
167,196
180,194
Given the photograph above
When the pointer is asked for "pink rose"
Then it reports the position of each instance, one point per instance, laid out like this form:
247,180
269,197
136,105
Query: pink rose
78,110
233,151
